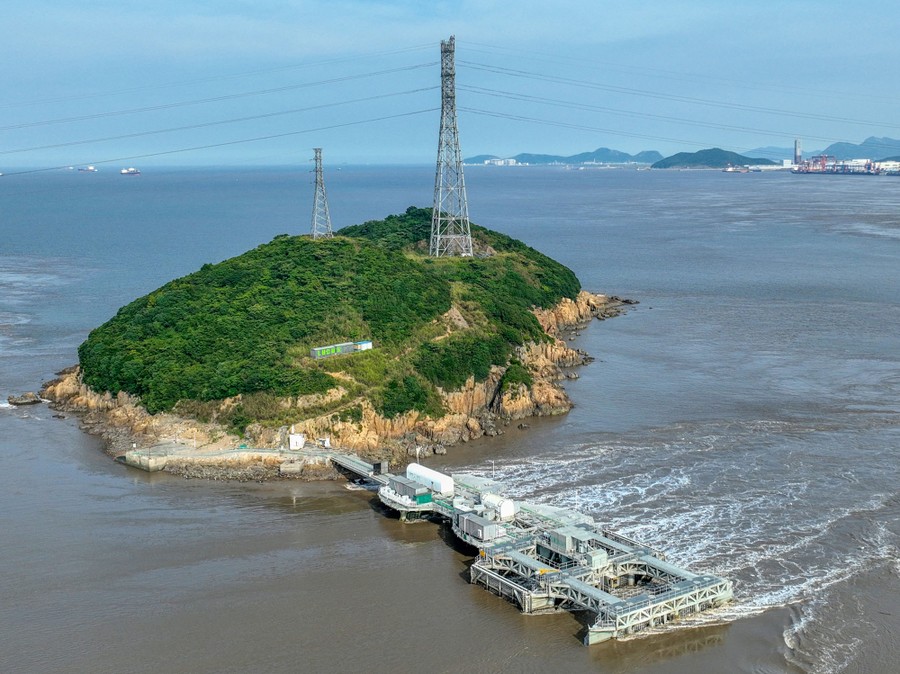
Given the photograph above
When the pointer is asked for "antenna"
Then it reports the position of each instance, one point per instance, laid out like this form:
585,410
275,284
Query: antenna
321,220
450,231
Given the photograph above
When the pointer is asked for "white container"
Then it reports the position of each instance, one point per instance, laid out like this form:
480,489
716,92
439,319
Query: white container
437,482
504,507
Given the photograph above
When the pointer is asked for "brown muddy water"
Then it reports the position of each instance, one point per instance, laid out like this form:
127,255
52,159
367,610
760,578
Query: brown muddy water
743,418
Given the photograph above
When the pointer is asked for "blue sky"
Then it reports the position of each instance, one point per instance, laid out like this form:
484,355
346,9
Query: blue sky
114,82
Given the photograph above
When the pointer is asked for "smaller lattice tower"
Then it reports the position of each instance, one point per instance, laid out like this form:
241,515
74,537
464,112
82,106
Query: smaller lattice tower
321,219
450,231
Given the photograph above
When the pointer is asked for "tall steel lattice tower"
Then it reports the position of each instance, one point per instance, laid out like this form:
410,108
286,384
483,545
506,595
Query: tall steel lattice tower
450,231
321,219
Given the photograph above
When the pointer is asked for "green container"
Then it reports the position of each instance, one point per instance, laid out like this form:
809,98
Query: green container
423,498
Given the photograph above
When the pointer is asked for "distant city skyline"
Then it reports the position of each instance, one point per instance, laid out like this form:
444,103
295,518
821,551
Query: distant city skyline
190,83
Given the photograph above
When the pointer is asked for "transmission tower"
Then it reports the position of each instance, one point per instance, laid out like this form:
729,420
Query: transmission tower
321,220
450,231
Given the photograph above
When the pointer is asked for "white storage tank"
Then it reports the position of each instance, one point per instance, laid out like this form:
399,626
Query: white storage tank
437,482
504,507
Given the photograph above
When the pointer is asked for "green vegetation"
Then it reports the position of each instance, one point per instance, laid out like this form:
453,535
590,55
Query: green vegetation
515,374
246,325
711,158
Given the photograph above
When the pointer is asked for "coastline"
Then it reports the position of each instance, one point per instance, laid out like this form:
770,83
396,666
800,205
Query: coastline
478,409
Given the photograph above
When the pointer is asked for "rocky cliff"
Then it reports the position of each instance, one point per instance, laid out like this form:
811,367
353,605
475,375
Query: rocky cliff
477,409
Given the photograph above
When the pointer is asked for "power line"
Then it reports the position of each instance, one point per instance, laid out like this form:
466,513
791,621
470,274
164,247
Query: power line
662,73
202,125
580,127
584,127
632,113
669,97
230,142
215,99
215,78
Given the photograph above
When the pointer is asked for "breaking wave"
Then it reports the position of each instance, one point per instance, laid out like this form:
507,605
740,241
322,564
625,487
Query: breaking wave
756,502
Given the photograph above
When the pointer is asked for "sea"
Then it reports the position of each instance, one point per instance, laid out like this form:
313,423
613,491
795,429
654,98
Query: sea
744,418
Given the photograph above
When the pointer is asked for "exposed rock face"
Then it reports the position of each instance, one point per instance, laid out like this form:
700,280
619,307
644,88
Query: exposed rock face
473,411
122,421
30,398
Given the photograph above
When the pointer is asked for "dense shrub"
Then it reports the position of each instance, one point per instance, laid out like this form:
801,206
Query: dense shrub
404,395
450,362
516,374
245,325
227,328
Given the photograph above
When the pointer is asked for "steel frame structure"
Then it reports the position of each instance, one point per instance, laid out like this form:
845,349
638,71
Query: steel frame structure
321,218
450,230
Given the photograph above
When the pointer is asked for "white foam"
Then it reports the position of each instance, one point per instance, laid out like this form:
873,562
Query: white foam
864,229
815,648
9,318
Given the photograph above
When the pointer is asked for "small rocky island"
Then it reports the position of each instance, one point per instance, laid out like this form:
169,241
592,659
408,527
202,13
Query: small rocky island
225,356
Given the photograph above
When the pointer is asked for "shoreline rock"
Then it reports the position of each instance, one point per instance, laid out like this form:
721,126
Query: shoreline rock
29,398
477,409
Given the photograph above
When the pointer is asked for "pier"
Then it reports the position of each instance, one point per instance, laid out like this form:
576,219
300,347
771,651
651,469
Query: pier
541,558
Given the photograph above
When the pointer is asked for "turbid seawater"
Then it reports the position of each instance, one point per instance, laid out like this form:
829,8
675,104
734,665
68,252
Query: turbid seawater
744,418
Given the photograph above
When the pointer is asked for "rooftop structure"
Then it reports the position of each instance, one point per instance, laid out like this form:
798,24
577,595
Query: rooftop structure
544,558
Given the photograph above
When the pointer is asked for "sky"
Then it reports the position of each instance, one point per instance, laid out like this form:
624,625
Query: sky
263,82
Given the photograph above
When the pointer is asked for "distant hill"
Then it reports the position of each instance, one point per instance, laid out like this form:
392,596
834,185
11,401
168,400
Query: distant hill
712,158
776,154
870,148
647,157
603,155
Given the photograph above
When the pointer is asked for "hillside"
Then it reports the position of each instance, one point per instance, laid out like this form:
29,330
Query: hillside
244,327
775,153
603,155
870,148
711,158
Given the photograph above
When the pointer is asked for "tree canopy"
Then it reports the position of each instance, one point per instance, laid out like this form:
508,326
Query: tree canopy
245,325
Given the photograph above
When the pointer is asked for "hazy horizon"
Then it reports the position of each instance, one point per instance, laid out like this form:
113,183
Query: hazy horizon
264,83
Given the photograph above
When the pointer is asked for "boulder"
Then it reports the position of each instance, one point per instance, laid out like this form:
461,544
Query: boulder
29,398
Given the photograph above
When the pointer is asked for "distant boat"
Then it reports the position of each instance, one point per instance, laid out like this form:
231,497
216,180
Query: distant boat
87,169
130,172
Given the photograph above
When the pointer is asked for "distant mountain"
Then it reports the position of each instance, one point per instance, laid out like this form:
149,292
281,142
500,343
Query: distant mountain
526,158
603,155
870,148
712,158
776,154
647,157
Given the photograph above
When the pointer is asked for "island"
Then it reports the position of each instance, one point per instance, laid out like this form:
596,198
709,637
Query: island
713,158
602,155
237,353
